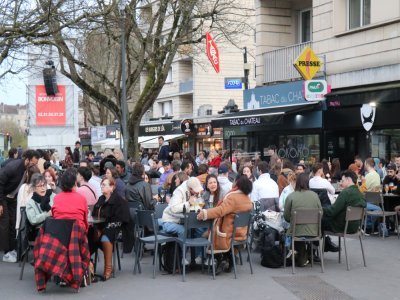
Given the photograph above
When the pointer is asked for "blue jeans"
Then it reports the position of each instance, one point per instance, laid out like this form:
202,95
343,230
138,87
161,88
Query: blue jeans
370,219
178,229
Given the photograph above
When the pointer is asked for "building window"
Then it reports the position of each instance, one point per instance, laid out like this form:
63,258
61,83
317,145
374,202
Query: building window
305,26
169,76
165,108
359,13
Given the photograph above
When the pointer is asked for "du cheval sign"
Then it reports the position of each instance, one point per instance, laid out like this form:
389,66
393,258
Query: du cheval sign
212,52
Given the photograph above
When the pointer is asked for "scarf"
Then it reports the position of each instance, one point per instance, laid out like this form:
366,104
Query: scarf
44,201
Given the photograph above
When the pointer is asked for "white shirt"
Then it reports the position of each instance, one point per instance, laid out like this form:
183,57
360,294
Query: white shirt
317,182
264,187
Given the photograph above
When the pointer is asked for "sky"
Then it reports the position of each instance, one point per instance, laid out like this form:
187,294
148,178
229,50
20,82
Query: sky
13,90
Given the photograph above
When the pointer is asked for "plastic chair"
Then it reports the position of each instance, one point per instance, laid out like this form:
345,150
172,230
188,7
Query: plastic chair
241,220
352,214
377,199
191,222
309,217
145,218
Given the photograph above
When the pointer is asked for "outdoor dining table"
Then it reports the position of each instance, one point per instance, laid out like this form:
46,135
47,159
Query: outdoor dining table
391,201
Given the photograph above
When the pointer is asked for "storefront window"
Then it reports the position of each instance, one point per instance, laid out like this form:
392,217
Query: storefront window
385,143
299,147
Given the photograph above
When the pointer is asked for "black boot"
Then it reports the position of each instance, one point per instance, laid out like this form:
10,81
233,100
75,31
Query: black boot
330,246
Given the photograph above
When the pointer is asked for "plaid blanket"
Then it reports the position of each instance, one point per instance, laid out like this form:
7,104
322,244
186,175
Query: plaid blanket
52,258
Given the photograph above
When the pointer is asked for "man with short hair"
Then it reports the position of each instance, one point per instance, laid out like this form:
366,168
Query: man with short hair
391,178
12,176
202,173
163,151
176,167
85,188
76,154
187,167
318,182
300,168
265,187
334,217
137,190
84,163
372,179
167,171
120,166
90,156
223,180
201,158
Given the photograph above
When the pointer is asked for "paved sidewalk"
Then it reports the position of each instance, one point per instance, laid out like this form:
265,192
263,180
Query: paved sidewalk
380,280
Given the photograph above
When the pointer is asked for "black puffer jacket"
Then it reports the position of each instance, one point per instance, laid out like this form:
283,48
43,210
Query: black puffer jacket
137,190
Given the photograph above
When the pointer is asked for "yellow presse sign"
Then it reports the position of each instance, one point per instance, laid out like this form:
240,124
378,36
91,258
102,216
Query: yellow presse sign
307,64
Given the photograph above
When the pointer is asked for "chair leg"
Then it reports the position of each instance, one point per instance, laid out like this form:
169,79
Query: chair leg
248,254
340,250
174,264
24,259
312,255
396,220
240,257
212,261
96,256
183,264
362,251
118,256
365,225
233,260
114,258
321,253
155,260
345,252
293,256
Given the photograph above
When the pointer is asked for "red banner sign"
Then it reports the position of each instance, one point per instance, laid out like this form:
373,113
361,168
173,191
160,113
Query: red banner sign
50,110
212,52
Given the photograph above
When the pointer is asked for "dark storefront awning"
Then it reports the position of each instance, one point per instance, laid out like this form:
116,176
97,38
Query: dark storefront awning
263,116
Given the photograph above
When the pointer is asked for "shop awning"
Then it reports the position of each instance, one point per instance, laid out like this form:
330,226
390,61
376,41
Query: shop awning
270,113
153,143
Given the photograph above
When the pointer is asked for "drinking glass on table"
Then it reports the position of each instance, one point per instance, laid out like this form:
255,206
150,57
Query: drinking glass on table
201,202
391,186
386,188
162,195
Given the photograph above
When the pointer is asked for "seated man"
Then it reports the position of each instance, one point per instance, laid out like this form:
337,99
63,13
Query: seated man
320,182
334,216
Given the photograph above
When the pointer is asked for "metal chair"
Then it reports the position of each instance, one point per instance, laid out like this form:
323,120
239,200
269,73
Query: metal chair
353,214
241,220
25,244
145,218
377,199
191,222
159,209
309,217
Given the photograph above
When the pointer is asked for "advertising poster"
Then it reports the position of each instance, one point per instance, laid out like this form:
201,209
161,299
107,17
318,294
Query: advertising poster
50,110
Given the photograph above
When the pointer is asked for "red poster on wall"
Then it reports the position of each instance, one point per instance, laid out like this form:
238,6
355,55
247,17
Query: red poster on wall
50,110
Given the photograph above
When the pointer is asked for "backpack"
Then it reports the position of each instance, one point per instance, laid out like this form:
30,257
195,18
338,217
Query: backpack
167,256
271,254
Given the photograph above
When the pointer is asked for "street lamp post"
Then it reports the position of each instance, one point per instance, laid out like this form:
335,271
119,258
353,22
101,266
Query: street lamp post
246,69
124,106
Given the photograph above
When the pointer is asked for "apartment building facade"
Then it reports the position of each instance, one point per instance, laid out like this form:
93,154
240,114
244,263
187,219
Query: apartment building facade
358,43
194,91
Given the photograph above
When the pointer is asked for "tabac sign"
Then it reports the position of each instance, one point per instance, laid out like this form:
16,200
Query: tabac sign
308,63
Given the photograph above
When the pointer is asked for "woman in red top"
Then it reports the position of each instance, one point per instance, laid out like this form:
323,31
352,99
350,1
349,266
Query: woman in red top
69,204
214,159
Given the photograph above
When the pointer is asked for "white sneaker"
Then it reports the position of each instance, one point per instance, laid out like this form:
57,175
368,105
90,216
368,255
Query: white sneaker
185,262
10,257
198,260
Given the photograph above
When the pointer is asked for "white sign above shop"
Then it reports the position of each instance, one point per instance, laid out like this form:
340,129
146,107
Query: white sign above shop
315,90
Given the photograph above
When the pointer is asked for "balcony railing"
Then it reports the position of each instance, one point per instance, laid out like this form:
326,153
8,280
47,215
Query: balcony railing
278,64
186,87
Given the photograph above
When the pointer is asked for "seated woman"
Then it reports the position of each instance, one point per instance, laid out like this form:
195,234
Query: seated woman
211,195
237,200
38,208
291,177
69,204
111,172
115,211
302,198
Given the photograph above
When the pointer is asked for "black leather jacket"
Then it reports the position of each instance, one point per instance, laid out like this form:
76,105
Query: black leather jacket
137,190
